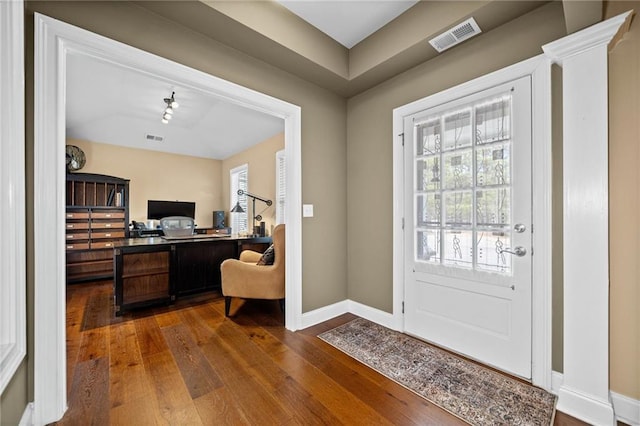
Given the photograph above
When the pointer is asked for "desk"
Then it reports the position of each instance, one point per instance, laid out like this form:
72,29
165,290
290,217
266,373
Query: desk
149,271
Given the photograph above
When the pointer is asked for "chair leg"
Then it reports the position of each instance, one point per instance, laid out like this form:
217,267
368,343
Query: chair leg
227,305
281,305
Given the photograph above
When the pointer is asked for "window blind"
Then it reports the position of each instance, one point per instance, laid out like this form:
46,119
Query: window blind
239,179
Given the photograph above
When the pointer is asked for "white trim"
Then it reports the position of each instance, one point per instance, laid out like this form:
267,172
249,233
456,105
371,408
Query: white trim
556,381
53,41
627,410
539,70
596,35
13,320
27,416
281,193
326,313
383,318
323,314
584,393
542,242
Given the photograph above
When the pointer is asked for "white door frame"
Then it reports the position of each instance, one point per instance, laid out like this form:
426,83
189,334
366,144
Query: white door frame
539,68
13,261
54,40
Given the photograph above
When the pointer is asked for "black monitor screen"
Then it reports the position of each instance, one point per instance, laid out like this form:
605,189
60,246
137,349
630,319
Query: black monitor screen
159,209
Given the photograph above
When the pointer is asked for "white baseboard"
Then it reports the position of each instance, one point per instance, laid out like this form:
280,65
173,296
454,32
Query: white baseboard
347,306
627,410
383,318
556,381
585,407
324,314
27,416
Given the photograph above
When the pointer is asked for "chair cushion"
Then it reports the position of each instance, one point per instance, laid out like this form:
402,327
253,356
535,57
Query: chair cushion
268,256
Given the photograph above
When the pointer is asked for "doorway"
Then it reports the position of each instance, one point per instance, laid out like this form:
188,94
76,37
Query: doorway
54,40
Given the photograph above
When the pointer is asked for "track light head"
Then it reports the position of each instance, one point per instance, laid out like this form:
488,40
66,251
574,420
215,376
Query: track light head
168,111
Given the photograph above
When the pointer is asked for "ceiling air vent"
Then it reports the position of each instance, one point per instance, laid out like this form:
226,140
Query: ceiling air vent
455,35
153,138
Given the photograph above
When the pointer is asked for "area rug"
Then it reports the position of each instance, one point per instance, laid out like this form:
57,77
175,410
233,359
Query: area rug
475,394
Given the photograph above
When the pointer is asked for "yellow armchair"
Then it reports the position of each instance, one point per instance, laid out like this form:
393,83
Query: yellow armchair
245,279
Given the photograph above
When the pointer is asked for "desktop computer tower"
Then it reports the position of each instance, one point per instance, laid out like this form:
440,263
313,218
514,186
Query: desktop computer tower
218,219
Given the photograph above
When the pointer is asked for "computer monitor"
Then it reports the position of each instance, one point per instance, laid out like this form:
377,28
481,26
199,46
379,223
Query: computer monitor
157,209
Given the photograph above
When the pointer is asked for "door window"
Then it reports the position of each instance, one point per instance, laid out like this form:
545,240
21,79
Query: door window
463,186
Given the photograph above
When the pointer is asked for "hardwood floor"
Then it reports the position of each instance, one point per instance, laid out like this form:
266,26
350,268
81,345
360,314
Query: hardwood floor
189,365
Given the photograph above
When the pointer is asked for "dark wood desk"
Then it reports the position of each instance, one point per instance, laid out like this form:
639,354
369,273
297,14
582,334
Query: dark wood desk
149,271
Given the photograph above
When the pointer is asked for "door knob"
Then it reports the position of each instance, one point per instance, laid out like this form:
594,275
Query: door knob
518,251
519,228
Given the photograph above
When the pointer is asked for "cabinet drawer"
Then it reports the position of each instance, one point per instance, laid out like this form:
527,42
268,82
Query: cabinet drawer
77,215
77,236
107,225
77,246
77,225
102,244
107,215
108,234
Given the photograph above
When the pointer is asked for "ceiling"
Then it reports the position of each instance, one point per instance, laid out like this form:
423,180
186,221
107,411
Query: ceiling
347,21
107,103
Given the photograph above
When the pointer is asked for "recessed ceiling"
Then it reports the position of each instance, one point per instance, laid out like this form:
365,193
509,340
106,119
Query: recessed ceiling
347,21
108,103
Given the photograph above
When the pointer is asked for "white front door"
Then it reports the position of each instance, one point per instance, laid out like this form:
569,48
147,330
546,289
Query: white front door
468,226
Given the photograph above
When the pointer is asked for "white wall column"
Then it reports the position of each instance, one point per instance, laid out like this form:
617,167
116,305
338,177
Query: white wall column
583,57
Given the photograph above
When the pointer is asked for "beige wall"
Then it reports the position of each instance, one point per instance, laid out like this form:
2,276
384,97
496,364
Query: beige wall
624,205
261,161
15,397
157,175
369,152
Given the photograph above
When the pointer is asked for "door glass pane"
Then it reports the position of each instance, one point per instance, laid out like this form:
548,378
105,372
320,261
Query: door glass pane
458,207
457,130
428,245
493,120
493,165
493,207
428,209
489,255
458,248
428,173
457,169
429,138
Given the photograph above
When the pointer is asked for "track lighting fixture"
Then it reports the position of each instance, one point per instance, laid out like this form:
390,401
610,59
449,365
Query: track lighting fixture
171,105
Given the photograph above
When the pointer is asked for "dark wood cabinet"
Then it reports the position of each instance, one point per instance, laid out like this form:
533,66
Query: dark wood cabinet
97,217
143,278
197,266
149,271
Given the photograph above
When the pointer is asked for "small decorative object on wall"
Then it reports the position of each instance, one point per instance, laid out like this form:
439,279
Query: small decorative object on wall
75,158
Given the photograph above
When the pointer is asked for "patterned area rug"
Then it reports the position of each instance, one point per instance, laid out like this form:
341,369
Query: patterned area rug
475,394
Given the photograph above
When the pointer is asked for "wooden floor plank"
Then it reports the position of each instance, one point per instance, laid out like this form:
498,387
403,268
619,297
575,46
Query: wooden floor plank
128,379
187,364
175,404
196,371
150,338
219,408
89,394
